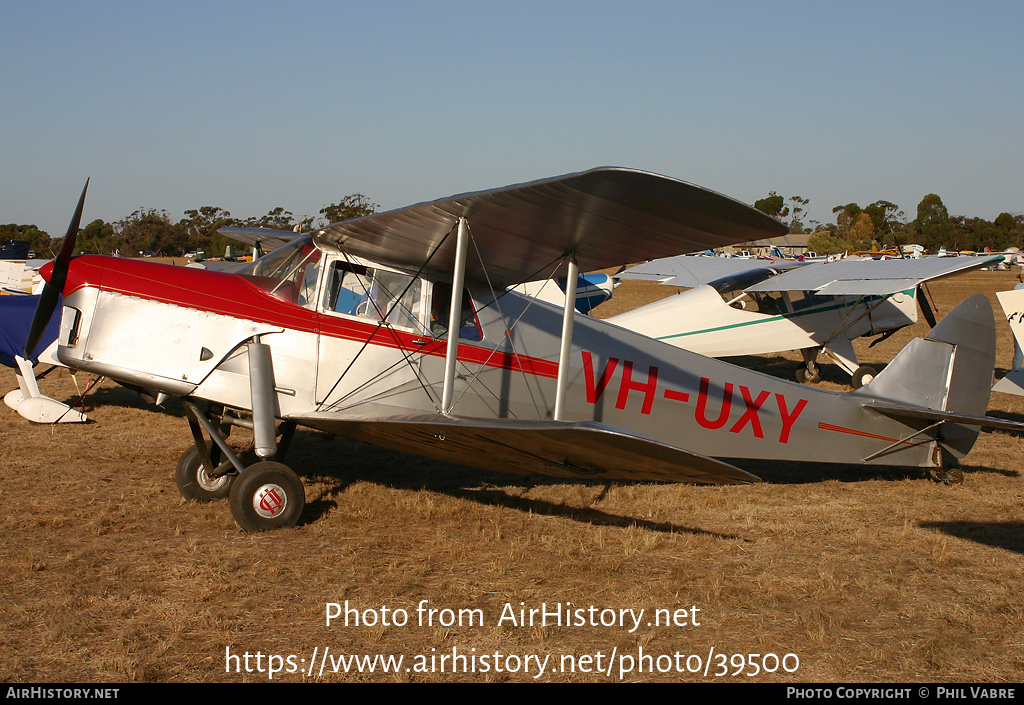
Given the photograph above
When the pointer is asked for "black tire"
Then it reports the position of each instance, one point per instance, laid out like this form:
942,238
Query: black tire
267,496
862,376
193,482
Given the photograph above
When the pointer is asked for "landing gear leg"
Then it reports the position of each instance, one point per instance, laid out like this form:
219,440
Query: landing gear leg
808,373
264,495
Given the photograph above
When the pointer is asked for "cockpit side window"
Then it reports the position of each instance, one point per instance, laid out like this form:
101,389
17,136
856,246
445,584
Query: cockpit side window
732,290
440,308
374,294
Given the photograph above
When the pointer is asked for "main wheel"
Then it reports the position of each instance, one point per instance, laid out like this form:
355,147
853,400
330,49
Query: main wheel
194,481
267,496
862,376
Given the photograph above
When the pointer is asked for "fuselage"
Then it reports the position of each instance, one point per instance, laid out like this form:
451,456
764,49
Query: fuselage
701,320
356,339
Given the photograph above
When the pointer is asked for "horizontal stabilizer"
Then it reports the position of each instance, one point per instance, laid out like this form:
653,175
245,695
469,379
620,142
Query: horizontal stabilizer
899,412
581,450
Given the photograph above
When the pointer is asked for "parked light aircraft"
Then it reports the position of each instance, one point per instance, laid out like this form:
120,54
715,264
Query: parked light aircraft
346,330
1012,303
750,307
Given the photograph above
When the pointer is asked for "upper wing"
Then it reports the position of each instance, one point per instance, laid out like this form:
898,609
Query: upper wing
605,217
870,277
694,270
268,239
582,450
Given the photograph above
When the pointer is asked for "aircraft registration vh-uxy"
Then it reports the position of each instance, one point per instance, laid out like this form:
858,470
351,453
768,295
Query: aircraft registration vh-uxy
346,330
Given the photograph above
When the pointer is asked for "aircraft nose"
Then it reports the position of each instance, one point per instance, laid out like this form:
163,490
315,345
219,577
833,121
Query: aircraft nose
55,276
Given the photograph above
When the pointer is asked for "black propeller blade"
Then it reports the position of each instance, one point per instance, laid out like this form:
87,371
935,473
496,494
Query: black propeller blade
926,308
55,286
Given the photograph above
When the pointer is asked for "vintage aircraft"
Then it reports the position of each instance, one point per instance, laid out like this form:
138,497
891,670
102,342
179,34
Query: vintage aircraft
346,330
751,306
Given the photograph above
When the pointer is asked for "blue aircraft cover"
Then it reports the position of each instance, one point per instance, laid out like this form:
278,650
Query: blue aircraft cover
15,319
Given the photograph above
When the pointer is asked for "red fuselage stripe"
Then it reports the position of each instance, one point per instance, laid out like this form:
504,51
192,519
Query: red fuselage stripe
863,434
233,295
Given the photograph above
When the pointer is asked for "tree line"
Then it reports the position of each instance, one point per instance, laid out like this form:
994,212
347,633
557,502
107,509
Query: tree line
151,230
882,224
876,226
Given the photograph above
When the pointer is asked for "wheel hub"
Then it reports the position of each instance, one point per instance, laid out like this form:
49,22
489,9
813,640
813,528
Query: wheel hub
270,500
208,482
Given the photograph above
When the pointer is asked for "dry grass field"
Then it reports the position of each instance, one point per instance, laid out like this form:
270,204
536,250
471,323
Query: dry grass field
858,574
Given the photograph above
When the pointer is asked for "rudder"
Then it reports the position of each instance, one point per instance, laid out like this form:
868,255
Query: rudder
950,369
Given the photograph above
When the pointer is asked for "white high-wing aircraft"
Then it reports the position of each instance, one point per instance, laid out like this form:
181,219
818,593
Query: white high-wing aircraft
750,307
398,329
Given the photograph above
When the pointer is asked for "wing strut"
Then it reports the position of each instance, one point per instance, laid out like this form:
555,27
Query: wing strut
455,316
568,318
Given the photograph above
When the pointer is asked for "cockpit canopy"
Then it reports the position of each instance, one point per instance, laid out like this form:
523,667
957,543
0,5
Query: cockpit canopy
351,288
289,272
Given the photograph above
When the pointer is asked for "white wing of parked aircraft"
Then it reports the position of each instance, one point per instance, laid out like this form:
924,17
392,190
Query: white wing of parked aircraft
749,307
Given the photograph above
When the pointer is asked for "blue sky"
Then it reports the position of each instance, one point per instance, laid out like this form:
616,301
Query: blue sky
253,105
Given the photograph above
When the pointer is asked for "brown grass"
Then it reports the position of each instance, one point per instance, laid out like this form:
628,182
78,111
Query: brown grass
864,574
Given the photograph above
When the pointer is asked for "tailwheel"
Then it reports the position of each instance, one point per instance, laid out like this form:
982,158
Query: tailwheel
862,376
195,480
948,477
808,374
267,495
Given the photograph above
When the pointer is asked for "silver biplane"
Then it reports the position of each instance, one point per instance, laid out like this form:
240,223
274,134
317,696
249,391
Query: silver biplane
398,329
757,306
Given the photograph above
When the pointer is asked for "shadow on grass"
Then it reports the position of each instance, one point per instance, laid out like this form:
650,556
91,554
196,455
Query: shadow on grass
128,398
339,462
782,472
1006,535
785,368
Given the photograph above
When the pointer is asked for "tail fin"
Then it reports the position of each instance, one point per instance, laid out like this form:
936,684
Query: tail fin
949,371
